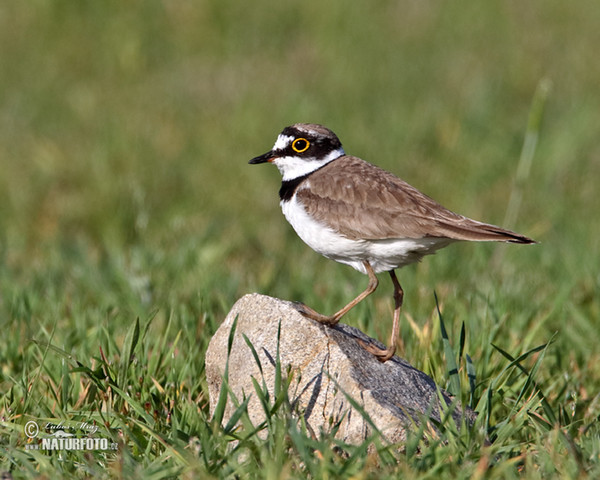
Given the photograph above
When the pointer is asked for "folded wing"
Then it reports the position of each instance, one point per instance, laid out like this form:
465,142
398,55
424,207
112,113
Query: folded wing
362,201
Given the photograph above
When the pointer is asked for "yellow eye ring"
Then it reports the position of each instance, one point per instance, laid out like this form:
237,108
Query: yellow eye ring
300,145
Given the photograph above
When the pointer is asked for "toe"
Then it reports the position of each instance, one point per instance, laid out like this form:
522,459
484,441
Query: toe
382,354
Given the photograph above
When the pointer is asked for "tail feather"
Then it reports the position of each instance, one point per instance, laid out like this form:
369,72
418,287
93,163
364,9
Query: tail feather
482,232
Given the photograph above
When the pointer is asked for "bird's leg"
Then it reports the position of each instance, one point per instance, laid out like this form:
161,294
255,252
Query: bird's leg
335,318
383,355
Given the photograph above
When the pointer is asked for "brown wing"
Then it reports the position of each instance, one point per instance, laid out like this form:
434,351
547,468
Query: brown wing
360,200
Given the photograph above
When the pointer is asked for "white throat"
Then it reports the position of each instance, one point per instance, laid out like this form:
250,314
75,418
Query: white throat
294,167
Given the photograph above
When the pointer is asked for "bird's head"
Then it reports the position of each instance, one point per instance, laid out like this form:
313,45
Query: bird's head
302,148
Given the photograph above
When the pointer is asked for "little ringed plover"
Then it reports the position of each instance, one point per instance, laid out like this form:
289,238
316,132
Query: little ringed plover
358,214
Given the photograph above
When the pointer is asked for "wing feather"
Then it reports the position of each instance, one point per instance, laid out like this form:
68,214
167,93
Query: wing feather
362,201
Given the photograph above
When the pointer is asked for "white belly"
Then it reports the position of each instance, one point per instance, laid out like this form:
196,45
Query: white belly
383,255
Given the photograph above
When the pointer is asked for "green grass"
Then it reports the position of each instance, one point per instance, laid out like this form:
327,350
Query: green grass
130,223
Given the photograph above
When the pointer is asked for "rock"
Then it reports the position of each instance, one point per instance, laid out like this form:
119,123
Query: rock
327,365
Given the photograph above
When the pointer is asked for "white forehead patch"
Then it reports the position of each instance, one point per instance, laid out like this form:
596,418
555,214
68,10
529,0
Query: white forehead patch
282,142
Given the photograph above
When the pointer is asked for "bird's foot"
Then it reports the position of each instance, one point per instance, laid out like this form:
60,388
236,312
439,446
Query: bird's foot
314,315
382,354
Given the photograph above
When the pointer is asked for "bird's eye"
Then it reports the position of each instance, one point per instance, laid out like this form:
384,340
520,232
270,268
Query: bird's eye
300,145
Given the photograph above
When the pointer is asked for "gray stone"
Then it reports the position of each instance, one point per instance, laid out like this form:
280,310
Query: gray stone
328,366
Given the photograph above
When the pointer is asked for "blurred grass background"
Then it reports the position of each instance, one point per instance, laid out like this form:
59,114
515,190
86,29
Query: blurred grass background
125,131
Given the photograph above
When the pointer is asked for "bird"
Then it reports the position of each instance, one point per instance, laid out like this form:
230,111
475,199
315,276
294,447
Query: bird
358,214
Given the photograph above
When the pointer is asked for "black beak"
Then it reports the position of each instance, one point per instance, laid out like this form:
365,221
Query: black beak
267,157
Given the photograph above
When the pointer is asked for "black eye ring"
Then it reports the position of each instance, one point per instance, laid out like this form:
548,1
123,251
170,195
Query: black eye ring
300,145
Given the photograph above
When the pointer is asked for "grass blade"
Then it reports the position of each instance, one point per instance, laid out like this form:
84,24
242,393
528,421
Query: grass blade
223,393
451,365
517,363
254,354
277,386
472,375
236,415
131,340
532,134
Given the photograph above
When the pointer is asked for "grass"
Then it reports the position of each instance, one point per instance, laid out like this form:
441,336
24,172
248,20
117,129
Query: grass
130,223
